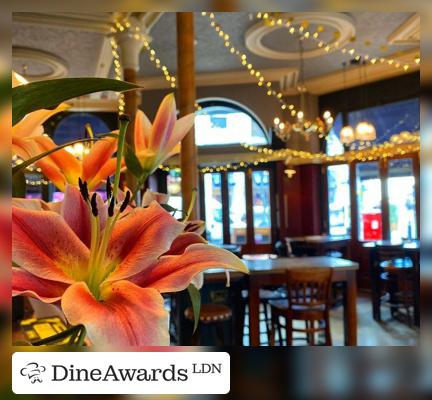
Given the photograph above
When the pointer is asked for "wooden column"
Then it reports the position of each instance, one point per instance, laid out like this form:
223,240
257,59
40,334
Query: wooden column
129,51
186,104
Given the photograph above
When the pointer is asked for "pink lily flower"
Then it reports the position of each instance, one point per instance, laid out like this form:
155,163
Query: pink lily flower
108,277
25,133
154,143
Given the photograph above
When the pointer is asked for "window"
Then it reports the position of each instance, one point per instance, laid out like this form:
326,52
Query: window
72,127
213,208
224,122
401,195
369,201
391,118
261,206
237,207
333,144
339,199
229,218
174,189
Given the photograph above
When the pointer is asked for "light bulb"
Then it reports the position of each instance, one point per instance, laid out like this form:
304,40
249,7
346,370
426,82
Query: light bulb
276,121
300,115
347,134
365,131
327,115
281,126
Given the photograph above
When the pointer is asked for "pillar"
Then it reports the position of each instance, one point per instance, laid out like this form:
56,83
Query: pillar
130,50
186,104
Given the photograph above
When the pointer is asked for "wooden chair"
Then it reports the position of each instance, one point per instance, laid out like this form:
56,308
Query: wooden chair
213,315
308,300
398,278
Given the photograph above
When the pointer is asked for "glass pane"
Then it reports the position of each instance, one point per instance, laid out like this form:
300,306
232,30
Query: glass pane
213,208
237,207
218,125
390,119
369,201
402,206
333,143
261,206
174,189
339,199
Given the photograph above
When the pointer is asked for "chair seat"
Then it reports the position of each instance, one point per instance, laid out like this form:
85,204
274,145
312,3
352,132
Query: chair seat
282,305
210,313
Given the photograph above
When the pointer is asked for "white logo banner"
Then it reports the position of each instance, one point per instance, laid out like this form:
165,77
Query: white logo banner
121,373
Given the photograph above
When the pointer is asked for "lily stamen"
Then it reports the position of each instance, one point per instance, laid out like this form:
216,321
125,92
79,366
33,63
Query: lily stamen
93,204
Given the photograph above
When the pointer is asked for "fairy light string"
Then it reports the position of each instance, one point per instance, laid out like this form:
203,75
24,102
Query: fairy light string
247,65
302,29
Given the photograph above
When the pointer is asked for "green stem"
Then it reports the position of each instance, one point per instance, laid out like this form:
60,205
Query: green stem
59,336
124,122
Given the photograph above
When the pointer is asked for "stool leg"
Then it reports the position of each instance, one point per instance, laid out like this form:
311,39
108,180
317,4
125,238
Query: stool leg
289,331
266,318
272,328
220,336
312,334
280,332
328,339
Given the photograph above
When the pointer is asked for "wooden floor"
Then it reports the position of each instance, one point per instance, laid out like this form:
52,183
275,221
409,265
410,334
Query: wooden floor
390,332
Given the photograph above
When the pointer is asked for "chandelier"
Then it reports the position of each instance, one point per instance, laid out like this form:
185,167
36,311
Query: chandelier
364,133
302,125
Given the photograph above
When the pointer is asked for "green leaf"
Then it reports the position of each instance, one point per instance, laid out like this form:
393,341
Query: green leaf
49,94
132,162
30,161
195,297
19,184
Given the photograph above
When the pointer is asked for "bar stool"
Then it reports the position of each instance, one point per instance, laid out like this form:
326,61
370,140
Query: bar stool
213,315
398,278
308,300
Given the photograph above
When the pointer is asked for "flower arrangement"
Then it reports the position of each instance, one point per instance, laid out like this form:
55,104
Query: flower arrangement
105,264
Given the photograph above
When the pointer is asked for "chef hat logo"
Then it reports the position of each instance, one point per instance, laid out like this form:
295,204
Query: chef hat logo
33,371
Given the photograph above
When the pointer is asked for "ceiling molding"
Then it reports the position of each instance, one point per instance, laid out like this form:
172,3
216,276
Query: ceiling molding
93,22
407,33
58,67
341,22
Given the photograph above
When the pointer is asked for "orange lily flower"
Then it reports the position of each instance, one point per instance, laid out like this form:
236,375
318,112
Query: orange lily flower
25,133
156,142
62,168
112,286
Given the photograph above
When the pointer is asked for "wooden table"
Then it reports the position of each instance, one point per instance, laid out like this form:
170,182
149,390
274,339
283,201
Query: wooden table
409,249
271,272
318,245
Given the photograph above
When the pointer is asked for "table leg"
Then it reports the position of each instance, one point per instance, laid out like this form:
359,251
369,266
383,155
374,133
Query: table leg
254,334
350,310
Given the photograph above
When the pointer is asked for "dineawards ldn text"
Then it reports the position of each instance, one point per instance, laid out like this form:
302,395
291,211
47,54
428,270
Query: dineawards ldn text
113,374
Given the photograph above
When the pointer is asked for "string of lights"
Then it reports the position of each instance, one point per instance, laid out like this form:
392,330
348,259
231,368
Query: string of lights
302,29
246,64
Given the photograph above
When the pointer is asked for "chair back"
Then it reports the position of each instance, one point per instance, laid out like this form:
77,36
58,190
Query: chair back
388,252
309,286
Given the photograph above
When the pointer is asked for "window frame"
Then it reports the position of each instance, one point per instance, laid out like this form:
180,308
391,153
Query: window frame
250,246
383,165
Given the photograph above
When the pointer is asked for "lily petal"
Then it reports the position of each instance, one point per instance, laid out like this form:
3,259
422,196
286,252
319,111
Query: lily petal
52,172
181,128
106,169
76,213
99,154
163,123
25,283
142,131
175,273
182,242
66,162
140,238
44,245
128,315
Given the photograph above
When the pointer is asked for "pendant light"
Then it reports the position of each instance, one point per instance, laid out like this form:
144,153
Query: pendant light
346,134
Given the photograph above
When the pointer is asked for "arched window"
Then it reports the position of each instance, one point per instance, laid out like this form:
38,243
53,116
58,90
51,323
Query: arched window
222,122
72,127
